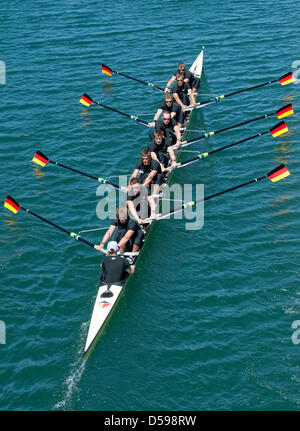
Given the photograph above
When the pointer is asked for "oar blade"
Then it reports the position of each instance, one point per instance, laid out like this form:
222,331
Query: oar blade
40,159
278,173
279,129
285,111
11,204
86,100
286,79
107,70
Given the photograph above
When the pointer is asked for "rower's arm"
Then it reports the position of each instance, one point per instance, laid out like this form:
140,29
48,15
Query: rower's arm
131,269
177,99
170,82
106,237
133,212
133,175
156,117
150,178
125,239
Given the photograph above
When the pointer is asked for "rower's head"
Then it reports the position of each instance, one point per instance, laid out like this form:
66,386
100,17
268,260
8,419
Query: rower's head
146,156
159,137
181,67
169,99
112,248
180,79
166,117
135,185
122,214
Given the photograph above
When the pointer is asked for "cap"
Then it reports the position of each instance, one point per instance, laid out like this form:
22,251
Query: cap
112,246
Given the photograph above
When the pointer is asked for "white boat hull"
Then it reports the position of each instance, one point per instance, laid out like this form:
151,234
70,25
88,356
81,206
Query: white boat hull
102,308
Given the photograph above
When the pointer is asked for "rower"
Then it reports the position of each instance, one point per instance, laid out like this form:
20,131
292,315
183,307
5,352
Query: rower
140,202
170,128
171,106
148,171
182,92
115,268
129,235
188,77
162,151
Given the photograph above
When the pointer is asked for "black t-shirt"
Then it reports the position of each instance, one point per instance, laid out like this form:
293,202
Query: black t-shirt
131,224
160,125
173,108
187,75
146,169
114,269
181,90
159,149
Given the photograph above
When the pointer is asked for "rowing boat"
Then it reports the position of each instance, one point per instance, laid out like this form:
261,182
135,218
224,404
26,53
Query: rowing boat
108,296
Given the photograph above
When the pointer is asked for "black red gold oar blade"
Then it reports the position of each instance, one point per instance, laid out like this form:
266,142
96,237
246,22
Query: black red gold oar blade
86,100
40,159
284,111
288,78
278,173
107,70
11,204
279,129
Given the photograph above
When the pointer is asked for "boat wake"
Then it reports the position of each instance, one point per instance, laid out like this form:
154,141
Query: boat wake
70,385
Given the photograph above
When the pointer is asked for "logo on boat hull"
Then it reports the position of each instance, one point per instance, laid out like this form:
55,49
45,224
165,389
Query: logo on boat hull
103,304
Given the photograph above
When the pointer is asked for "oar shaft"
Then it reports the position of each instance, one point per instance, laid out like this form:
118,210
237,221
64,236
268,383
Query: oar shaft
249,88
216,99
101,180
139,80
244,122
190,204
74,170
78,237
237,143
139,120
225,129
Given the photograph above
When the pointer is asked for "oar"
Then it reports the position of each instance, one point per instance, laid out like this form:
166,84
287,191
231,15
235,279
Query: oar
41,160
11,204
275,175
108,71
284,80
275,131
280,113
87,101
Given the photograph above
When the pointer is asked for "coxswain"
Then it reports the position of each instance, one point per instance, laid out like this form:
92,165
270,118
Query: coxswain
162,151
182,92
129,234
115,268
171,106
140,202
188,77
148,171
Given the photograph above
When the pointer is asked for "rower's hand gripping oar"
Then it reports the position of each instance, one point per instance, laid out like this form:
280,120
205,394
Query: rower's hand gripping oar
108,71
283,80
280,113
12,205
276,174
87,101
277,130
41,160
